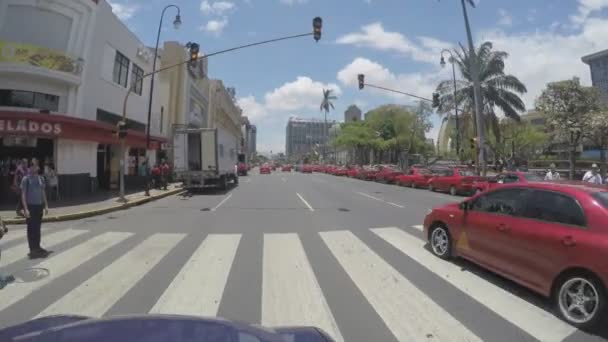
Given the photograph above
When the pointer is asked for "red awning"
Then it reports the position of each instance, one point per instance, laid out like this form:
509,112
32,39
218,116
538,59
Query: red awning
62,126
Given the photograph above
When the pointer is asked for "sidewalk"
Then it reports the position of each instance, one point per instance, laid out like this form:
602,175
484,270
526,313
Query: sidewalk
92,206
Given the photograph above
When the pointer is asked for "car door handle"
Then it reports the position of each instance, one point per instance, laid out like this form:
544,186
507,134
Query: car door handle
503,228
568,241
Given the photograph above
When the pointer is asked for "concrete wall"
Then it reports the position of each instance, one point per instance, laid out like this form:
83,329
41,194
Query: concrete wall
74,156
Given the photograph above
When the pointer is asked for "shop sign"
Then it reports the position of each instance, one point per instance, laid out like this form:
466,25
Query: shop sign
38,56
30,127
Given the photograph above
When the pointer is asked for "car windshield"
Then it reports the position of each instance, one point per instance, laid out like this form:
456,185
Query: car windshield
602,198
466,173
533,177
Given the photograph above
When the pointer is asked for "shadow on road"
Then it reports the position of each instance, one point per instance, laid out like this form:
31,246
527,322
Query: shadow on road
210,191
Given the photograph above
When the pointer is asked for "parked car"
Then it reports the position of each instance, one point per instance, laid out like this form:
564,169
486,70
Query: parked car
286,168
368,172
388,174
455,181
353,171
340,171
415,177
307,169
265,169
549,237
506,178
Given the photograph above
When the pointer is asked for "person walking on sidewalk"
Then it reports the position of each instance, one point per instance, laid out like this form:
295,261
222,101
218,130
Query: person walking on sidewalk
144,171
20,172
164,171
33,197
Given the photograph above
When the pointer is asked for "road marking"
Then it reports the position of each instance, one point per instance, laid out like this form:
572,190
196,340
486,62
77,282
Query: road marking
370,196
395,205
418,227
222,202
96,296
535,321
409,313
14,235
199,286
61,264
291,294
20,251
304,201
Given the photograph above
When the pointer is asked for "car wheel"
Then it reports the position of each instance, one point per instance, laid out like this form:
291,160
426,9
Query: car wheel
441,242
431,187
580,300
453,191
413,185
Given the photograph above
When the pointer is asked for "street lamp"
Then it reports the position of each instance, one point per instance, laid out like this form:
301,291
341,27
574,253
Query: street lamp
316,33
453,61
176,24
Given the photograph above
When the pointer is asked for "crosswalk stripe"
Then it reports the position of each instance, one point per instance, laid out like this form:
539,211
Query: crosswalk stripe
291,294
199,286
418,227
61,264
20,251
528,317
408,312
97,295
14,235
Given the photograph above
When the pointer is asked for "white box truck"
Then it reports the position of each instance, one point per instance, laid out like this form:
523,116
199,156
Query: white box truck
205,157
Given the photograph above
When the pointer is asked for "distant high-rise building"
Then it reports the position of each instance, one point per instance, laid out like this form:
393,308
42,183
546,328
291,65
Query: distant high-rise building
305,135
598,63
353,113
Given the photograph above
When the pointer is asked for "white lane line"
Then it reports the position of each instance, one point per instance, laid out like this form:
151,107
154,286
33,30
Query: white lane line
418,227
304,201
542,325
20,251
199,286
60,264
96,296
395,205
408,312
291,294
222,202
370,196
14,235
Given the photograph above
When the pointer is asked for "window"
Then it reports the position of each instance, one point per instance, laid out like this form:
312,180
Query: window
465,173
121,69
602,198
137,81
506,202
28,99
532,177
511,179
48,29
553,207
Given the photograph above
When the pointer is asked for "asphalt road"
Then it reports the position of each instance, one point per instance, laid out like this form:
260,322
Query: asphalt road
283,249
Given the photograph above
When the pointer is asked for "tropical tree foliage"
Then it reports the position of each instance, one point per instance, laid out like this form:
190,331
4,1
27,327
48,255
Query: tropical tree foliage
326,104
519,141
498,90
598,134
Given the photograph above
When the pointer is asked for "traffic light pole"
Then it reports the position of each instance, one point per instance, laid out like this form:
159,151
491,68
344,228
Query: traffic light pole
397,91
316,33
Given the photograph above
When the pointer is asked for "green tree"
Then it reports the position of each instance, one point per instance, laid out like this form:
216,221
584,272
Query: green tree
598,134
498,89
568,108
519,141
326,104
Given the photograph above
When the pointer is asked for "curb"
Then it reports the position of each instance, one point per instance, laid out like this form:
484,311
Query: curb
95,212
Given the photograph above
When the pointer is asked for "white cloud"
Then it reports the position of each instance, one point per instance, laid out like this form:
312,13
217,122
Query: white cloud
292,2
505,18
251,108
123,11
303,93
216,7
215,26
375,36
586,8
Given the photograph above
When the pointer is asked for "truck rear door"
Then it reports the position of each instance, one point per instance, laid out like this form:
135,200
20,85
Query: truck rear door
209,150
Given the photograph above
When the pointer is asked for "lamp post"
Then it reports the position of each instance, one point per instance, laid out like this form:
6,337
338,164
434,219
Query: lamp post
176,23
316,33
453,61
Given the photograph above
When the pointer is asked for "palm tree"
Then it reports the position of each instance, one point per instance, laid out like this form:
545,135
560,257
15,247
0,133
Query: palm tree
325,106
497,88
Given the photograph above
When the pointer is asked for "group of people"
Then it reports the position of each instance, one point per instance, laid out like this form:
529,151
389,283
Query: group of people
156,177
592,176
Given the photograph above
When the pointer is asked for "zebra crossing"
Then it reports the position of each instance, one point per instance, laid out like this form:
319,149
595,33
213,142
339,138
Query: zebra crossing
291,293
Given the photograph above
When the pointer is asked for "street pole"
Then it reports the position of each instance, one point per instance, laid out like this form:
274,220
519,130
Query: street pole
316,33
474,65
453,61
176,23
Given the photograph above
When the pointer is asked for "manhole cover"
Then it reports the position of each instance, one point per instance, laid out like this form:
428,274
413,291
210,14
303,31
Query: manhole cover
378,192
343,209
31,275
205,209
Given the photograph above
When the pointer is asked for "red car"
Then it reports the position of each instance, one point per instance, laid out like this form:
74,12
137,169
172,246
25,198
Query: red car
264,169
368,172
286,168
455,180
416,177
307,169
506,178
340,171
353,171
388,174
551,238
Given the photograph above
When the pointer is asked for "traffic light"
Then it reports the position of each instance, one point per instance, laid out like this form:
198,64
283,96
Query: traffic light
317,24
121,128
435,100
361,78
473,143
194,50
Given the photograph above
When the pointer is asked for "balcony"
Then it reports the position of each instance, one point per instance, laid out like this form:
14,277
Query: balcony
39,61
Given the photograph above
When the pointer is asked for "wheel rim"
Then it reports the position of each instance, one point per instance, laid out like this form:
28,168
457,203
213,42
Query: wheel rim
578,300
439,241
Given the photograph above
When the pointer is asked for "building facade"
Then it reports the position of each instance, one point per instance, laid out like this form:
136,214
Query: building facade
62,85
598,65
353,113
248,140
303,136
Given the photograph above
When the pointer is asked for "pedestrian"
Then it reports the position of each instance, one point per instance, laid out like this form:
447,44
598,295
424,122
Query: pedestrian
593,175
156,176
552,174
8,279
164,171
20,172
144,171
33,197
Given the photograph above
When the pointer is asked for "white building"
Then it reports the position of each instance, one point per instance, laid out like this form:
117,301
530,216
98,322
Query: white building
67,65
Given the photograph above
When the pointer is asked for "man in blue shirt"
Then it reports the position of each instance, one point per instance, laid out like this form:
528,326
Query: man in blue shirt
33,197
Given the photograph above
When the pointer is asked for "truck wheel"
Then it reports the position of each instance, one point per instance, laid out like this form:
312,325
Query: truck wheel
224,183
236,179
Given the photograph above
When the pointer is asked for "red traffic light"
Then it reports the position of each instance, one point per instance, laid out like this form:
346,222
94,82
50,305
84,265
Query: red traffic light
317,25
361,78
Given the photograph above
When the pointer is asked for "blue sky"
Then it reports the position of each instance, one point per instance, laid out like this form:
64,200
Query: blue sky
396,43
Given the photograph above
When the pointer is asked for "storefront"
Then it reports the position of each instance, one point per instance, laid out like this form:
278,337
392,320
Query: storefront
85,153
